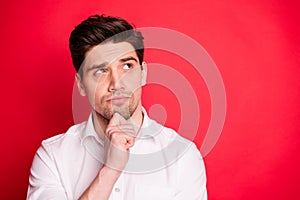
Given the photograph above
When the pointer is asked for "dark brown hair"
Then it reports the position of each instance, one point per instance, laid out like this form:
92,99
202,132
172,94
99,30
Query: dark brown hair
97,29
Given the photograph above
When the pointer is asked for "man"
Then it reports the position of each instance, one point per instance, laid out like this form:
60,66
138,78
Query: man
119,153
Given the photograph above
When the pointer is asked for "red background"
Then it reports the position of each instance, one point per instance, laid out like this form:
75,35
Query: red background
255,45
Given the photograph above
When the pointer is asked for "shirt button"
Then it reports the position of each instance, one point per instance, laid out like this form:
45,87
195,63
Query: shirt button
117,189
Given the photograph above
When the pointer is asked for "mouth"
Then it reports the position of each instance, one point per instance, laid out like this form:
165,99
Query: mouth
117,100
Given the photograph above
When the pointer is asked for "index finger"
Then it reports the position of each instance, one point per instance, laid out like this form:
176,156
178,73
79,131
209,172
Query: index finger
117,119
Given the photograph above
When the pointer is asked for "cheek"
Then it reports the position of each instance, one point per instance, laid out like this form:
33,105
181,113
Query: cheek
133,81
97,91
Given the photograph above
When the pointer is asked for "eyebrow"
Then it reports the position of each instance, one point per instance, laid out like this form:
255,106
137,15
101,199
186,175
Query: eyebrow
103,65
128,59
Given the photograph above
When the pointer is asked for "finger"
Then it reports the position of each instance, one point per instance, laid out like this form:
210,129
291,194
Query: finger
118,138
128,133
117,134
124,128
117,119
130,143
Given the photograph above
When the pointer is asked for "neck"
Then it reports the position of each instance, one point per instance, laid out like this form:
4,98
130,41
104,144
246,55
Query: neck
100,123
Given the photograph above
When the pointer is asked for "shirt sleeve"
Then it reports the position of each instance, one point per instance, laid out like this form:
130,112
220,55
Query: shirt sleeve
44,180
192,177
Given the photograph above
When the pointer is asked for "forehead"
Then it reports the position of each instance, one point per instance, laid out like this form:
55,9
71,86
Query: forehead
108,53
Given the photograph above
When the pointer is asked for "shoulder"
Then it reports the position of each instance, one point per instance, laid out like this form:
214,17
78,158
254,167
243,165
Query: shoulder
65,140
174,143
170,135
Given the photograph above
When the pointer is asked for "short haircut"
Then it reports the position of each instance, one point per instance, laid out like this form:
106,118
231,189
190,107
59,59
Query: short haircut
98,29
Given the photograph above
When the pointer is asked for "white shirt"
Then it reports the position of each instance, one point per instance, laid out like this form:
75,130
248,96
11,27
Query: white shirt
162,166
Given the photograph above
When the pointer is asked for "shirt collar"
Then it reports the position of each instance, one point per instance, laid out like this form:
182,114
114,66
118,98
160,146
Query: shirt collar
150,128
89,130
94,145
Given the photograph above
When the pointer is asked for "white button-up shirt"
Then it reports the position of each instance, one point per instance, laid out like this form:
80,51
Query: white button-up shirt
162,166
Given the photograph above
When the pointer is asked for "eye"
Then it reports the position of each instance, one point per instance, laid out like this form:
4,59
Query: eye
100,71
127,66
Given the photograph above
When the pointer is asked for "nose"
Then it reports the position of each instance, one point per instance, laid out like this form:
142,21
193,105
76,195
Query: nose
115,82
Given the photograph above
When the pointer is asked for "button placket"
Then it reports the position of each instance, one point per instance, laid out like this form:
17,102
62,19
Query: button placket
118,189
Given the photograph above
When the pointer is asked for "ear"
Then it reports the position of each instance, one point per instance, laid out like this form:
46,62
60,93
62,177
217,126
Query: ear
80,85
144,73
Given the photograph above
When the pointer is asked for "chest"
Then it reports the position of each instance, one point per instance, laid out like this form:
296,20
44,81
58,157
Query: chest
155,185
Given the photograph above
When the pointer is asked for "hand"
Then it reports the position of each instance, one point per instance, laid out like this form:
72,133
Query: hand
120,136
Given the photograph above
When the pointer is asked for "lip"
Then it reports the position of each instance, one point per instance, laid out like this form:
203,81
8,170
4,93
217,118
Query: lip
117,99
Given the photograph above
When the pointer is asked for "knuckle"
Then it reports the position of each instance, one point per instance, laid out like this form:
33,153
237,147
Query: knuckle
114,136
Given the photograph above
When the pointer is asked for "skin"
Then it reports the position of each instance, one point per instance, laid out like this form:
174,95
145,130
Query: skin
112,80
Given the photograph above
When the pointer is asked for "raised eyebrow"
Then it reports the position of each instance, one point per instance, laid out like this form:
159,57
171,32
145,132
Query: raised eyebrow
128,59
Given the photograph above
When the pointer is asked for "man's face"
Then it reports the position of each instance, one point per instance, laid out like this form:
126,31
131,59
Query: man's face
112,79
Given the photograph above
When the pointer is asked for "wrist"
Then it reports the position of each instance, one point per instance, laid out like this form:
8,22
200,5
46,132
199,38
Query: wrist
110,173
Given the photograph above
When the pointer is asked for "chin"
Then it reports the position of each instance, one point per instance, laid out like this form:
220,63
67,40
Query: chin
109,113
